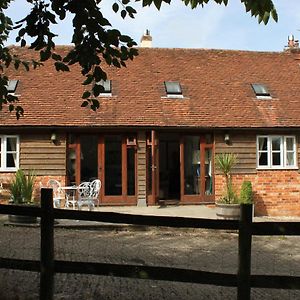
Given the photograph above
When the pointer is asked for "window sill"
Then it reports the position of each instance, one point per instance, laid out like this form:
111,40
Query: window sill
276,168
174,97
9,169
105,95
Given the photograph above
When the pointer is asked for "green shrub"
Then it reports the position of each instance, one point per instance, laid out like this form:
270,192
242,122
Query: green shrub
16,188
21,187
246,194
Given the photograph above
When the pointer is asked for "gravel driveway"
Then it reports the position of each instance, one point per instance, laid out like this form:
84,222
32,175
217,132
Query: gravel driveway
205,250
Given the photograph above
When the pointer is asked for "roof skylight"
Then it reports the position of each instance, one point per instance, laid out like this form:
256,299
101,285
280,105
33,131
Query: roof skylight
261,90
173,89
106,86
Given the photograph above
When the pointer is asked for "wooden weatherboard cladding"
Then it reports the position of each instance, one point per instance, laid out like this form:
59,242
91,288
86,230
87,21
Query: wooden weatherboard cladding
141,168
243,144
39,153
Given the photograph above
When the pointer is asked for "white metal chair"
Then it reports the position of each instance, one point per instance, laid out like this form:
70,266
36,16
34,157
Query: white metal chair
95,187
57,193
88,193
84,196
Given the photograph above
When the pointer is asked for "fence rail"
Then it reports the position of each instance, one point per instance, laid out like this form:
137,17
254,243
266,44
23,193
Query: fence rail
243,280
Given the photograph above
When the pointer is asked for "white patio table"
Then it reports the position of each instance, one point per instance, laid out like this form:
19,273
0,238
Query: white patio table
70,193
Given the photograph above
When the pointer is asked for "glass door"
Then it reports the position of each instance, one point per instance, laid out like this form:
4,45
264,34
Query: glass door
192,165
111,158
113,165
197,170
118,169
88,157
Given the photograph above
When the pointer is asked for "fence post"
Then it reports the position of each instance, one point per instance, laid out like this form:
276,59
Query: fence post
244,263
47,245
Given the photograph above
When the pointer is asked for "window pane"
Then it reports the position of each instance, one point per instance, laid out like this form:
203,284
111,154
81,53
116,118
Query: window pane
289,144
71,166
88,157
149,171
106,84
12,86
208,138
290,159
192,165
276,143
71,139
276,159
208,172
172,87
11,160
263,159
260,89
131,171
263,143
11,154
113,165
11,144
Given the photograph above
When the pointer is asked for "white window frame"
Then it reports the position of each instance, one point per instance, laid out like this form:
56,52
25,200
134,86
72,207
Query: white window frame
4,152
283,152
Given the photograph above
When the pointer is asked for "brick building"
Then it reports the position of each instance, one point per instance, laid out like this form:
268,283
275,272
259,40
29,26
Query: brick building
160,124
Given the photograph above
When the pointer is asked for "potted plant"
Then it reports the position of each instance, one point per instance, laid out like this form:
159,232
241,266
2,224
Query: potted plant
228,206
21,191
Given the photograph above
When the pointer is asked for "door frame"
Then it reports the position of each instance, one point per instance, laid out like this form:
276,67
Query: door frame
122,199
184,198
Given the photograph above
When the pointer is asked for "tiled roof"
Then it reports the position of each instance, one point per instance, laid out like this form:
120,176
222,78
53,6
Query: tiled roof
216,86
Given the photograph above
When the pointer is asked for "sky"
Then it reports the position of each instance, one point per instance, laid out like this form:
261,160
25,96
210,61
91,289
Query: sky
177,26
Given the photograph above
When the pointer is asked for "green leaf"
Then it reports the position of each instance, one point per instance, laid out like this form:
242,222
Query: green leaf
115,7
23,43
45,54
17,64
130,10
266,18
88,80
61,66
97,89
56,57
157,3
86,94
84,104
26,66
96,103
274,15
123,13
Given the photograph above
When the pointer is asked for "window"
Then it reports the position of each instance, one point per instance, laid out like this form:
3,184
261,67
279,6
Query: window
106,84
276,152
9,153
261,91
173,89
12,86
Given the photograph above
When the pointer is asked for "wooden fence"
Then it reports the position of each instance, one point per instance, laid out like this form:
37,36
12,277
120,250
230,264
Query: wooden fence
243,280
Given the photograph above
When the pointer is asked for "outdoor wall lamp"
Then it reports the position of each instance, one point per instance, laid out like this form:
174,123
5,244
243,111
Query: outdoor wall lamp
227,138
53,137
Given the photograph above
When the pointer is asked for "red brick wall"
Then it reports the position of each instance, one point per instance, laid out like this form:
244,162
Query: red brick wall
276,192
41,181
